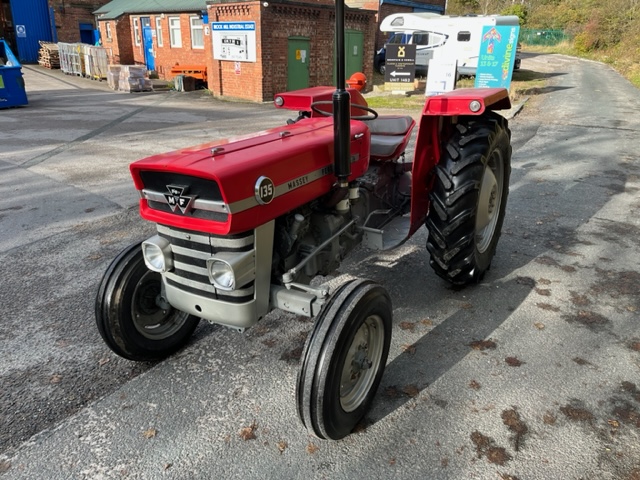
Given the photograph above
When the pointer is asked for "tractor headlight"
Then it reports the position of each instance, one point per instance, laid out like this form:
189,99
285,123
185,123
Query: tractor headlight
221,274
157,254
229,271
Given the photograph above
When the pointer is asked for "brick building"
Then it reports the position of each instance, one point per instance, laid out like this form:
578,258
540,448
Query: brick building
174,29
74,20
294,45
281,45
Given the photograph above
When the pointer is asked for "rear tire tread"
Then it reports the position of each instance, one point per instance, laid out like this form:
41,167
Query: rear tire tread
454,198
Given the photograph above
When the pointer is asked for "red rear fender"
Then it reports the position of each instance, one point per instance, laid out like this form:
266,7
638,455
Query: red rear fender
435,125
467,101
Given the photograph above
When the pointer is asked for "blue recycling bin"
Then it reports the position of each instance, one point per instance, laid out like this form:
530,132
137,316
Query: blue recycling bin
12,91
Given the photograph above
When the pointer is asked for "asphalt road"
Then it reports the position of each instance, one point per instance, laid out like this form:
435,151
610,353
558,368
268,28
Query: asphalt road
535,373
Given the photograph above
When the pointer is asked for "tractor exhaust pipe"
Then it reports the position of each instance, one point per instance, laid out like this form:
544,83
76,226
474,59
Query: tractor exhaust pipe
341,106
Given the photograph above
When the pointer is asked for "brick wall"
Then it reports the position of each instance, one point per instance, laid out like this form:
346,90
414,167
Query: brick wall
275,23
168,56
224,78
120,45
69,16
126,52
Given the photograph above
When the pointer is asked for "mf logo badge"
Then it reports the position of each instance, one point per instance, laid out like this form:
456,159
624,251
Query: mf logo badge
401,52
265,190
176,198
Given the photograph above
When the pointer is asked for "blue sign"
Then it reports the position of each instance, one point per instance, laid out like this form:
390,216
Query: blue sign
241,26
497,56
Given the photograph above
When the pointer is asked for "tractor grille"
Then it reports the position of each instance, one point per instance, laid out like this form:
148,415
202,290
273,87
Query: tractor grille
205,198
190,253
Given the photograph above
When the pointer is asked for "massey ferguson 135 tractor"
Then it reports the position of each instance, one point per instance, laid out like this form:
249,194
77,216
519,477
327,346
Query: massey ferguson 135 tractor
243,226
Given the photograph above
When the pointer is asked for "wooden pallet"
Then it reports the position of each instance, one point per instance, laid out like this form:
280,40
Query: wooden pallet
48,55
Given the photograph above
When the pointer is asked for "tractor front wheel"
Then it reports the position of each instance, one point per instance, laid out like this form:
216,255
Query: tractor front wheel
343,359
132,317
469,198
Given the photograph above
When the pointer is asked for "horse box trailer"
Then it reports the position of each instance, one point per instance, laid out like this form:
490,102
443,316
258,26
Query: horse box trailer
443,36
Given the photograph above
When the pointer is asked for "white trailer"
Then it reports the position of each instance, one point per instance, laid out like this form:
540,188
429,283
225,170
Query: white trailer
443,36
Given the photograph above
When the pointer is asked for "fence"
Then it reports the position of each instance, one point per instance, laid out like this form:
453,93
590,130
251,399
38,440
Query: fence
543,37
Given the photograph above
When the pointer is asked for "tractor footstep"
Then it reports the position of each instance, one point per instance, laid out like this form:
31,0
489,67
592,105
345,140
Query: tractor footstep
392,235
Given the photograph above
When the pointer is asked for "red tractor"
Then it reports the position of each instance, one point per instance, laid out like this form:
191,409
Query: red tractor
244,225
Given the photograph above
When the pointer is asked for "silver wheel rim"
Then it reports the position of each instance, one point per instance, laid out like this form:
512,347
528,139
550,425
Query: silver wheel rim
149,319
489,201
362,363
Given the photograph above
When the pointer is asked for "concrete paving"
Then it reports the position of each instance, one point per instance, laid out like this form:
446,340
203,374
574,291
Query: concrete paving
532,374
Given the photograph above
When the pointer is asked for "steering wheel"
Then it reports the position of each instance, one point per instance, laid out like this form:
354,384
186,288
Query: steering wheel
324,113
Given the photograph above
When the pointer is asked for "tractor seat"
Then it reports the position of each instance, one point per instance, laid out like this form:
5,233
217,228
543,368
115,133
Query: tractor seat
388,133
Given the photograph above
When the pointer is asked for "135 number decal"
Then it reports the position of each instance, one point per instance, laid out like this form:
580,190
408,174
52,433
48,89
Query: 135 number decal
265,190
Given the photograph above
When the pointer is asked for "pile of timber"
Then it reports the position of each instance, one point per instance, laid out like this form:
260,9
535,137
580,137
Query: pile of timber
48,55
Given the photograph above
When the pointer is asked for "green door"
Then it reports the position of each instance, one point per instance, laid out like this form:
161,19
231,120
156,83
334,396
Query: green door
353,43
298,63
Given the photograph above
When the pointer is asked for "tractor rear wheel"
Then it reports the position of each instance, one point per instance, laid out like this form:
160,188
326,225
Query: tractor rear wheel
132,317
469,198
343,359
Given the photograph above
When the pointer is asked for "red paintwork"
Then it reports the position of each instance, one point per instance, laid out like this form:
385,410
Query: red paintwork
301,100
436,118
307,147
457,102
427,156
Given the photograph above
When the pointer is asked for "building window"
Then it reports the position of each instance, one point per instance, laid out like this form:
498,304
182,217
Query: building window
159,31
197,38
174,32
136,31
108,28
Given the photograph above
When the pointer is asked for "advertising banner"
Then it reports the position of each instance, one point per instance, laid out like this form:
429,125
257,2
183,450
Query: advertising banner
497,56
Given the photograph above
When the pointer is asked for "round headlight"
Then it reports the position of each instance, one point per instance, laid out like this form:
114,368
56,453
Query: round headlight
221,275
279,101
153,257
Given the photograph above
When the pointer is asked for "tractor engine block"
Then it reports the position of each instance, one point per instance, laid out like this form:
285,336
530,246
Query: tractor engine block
385,186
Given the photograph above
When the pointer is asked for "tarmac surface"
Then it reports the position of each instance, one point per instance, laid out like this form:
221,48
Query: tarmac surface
534,373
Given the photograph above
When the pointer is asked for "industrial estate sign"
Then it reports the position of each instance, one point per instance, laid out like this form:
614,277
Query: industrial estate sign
400,63
497,56
234,41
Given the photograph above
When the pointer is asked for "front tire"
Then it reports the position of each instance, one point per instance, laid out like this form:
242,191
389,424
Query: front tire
131,317
469,198
343,359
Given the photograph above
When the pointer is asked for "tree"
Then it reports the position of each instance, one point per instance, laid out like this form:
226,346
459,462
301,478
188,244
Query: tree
518,10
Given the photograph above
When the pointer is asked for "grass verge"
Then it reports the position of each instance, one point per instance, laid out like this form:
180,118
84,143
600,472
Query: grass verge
525,83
